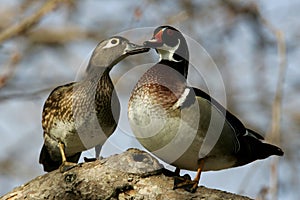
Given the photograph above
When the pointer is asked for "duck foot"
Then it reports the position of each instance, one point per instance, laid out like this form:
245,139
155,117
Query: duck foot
92,159
89,159
185,183
168,173
66,166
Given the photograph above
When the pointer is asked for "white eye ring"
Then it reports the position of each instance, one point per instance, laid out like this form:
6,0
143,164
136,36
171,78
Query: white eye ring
111,43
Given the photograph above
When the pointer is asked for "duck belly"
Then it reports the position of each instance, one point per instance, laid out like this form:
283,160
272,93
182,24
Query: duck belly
184,136
76,138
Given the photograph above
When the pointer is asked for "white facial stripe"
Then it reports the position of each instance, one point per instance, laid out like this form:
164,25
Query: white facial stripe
111,43
153,40
166,52
182,99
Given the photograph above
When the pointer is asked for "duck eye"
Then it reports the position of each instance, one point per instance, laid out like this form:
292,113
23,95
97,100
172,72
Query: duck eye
113,41
170,32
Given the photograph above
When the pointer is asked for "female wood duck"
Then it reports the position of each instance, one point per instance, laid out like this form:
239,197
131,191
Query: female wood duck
184,126
81,115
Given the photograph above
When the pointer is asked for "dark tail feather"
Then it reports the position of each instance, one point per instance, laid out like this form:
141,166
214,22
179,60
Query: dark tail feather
46,160
257,135
253,149
49,164
267,150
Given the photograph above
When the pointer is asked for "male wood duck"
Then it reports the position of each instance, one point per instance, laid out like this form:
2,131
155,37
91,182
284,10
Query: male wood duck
184,126
81,115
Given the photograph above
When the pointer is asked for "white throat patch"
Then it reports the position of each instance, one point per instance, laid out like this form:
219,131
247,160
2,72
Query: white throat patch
166,52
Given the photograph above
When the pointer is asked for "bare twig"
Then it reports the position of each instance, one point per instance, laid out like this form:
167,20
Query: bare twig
274,134
276,107
178,18
57,36
236,8
27,23
11,66
26,95
60,36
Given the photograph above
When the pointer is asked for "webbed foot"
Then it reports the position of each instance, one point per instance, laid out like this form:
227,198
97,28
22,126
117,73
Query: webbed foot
186,183
65,166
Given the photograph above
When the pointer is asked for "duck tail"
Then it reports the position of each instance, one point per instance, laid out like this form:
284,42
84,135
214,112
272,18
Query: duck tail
265,150
253,148
48,163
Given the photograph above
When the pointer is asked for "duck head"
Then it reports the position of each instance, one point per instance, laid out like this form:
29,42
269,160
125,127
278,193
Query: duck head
112,50
172,48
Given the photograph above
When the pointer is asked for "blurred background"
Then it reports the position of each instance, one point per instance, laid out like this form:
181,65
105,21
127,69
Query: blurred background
254,45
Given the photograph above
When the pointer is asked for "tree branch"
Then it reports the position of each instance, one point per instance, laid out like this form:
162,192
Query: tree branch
27,23
133,174
11,66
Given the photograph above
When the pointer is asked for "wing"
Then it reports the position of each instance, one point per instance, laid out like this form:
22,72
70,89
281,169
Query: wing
249,144
238,127
56,105
236,124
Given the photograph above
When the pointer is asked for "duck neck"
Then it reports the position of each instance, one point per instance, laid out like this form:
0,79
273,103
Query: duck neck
177,58
181,66
99,79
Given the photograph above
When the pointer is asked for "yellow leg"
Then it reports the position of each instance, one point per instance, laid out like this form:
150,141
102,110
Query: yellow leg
61,147
185,181
65,166
177,171
197,178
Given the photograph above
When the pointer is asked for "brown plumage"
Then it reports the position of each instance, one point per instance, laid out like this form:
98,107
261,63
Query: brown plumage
184,126
81,115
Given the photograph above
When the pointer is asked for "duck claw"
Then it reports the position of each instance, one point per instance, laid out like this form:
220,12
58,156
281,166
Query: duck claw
185,183
66,166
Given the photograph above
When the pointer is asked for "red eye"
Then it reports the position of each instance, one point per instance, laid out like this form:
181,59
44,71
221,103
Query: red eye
170,32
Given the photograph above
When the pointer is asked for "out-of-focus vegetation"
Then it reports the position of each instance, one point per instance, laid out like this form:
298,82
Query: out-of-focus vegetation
44,43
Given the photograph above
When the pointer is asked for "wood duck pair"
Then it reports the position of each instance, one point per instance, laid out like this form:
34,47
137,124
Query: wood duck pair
81,115
169,118
184,126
